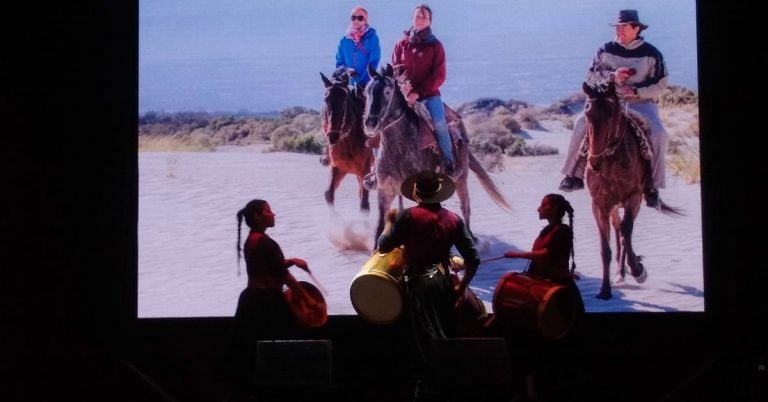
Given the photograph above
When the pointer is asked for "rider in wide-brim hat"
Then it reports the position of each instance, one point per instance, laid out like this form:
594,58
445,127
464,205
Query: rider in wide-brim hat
629,17
428,187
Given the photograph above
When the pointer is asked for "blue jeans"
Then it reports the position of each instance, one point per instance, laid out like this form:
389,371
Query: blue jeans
435,106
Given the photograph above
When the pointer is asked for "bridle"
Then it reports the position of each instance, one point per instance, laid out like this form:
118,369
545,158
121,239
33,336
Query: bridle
388,108
330,131
615,137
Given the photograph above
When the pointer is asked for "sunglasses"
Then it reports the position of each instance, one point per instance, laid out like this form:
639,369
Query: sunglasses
357,17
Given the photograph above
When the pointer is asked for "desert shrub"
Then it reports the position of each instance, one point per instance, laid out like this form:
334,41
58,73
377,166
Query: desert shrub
494,131
491,157
528,118
301,143
680,116
306,122
180,143
291,112
678,96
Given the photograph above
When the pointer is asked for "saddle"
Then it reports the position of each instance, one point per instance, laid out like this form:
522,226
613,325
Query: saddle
426,130
640,127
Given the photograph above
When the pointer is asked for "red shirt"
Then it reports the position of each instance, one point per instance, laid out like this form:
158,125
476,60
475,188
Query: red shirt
423,64
264,260
427,233
558,241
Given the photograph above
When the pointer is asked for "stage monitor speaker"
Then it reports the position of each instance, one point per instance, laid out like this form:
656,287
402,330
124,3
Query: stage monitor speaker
293,362
467,361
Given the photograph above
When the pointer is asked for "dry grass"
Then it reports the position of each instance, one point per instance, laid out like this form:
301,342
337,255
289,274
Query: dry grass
176,143
682,125
494,128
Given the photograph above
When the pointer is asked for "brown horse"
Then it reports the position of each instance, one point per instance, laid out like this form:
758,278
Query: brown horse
343,127
388,115
616,173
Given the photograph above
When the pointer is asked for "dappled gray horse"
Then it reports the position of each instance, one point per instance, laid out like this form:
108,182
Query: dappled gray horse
388,115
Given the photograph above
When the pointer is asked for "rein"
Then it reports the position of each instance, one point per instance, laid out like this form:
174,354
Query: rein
610,149
397,119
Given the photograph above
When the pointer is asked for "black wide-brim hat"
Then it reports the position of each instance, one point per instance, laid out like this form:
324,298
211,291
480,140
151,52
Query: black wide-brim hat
428,187
629,17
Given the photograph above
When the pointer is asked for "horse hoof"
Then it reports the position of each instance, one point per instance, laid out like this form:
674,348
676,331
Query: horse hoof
604,295
643,275
369,182
325,160
618,280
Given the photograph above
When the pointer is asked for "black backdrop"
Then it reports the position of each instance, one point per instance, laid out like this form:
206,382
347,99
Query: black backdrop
68,108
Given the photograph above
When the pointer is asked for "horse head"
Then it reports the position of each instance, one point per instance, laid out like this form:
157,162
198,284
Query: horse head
603,114
338,107
382,98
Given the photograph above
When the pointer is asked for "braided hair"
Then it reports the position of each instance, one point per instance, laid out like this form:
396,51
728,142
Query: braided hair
251,209
563,207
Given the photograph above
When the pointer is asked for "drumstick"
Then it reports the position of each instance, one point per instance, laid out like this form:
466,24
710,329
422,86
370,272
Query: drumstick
319,286
492,259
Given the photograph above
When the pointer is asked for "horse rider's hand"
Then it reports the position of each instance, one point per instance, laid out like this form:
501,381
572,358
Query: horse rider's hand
626,91
406,87
622,74
511,254
412,98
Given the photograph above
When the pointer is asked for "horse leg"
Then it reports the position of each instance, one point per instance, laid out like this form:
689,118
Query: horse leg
620,255
463,192
603,226
336,176
627,225
385,200
363,193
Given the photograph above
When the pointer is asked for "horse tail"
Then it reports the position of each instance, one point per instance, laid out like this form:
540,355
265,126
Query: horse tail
487,182
667,209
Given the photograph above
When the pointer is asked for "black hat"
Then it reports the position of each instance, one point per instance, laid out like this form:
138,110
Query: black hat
629,17
428,187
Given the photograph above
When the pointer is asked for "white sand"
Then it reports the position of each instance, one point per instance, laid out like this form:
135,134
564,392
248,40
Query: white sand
187,230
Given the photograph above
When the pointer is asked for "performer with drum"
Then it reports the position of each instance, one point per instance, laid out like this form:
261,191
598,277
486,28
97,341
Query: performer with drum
427,232
263,313
553,248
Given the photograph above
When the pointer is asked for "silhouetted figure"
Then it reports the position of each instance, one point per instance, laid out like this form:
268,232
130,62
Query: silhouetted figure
427,232
262,310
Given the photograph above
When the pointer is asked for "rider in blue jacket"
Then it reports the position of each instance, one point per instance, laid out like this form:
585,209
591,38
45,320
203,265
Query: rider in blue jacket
358,48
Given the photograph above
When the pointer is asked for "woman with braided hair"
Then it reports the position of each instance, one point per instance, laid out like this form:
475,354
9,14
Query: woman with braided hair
553,248
262,310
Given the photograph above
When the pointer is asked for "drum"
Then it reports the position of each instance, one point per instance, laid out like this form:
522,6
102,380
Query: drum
377,290
534,304
309,317
470,311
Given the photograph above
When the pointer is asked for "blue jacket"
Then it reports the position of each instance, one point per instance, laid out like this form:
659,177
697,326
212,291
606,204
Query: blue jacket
351,56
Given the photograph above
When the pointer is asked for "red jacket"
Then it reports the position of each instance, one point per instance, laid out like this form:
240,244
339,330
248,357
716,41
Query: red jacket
422,64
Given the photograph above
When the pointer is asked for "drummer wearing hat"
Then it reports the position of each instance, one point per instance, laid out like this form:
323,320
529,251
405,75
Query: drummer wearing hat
427,233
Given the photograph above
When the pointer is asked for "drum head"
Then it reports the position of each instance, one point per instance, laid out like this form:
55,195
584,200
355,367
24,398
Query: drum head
556,313
311,317
528,303
376,298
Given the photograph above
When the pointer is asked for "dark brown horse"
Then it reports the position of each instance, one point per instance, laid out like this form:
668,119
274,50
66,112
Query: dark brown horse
388,115
343,127
616,174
